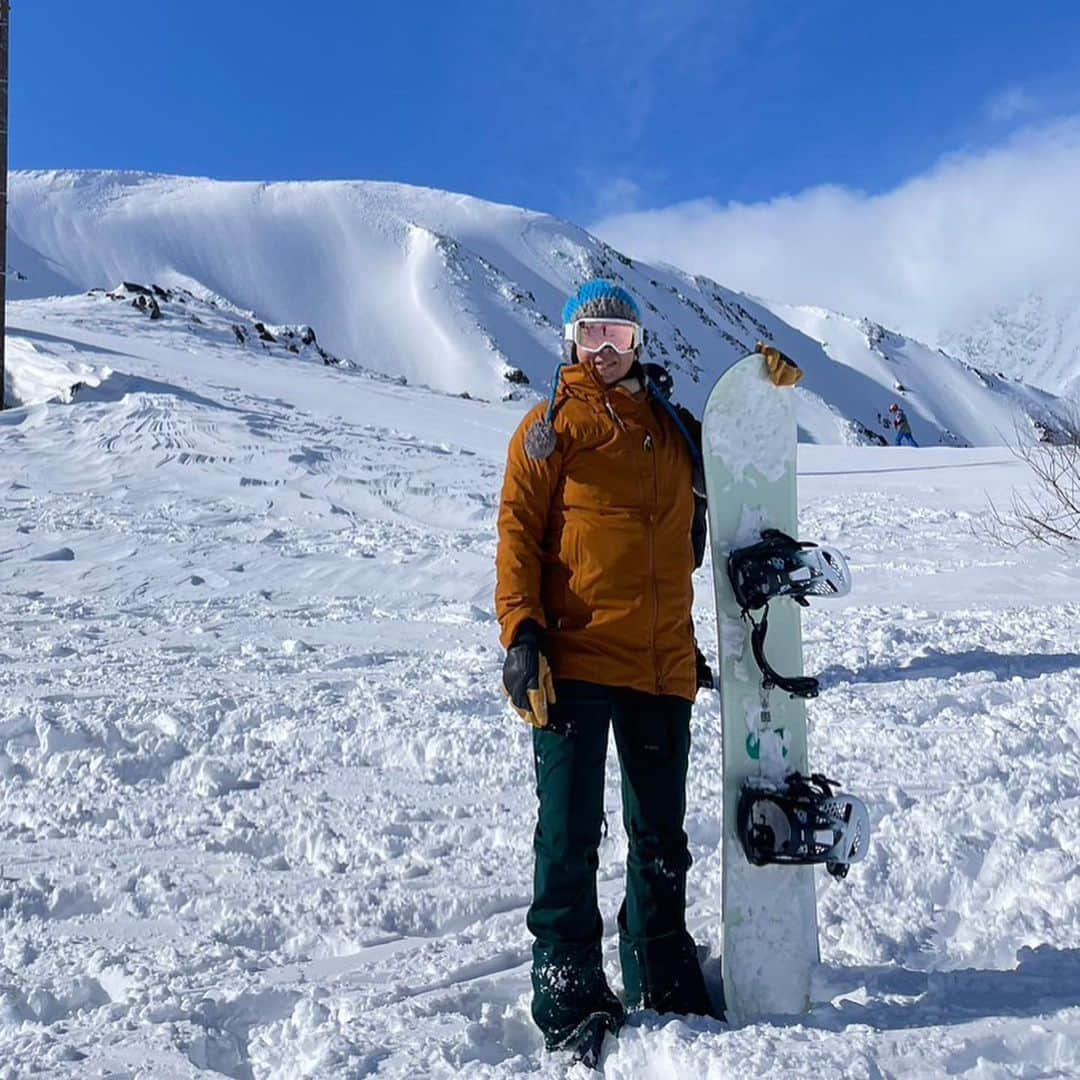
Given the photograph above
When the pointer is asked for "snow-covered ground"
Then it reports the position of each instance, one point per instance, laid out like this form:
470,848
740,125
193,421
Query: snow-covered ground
263,811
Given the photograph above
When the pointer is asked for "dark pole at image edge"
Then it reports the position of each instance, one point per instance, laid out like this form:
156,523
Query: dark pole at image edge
5,8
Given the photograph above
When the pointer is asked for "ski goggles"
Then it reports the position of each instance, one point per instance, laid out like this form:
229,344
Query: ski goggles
593,334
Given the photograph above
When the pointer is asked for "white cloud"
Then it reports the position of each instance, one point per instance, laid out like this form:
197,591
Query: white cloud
978,231
1010,104
611,195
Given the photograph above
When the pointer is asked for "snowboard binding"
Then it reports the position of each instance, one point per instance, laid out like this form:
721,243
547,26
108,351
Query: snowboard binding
801,821
779,565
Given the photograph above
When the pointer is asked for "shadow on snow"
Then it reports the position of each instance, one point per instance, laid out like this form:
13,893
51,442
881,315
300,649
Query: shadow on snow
935,664
1044,981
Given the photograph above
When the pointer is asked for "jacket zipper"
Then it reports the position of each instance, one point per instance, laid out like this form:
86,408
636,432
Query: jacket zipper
613,414
648,445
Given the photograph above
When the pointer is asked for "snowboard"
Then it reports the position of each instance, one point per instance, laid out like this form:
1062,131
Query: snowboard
770,940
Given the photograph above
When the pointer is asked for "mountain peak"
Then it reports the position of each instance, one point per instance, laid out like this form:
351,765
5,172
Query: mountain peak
464,296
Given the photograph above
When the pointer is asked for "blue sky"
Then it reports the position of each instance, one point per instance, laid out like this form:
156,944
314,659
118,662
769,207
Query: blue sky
583,109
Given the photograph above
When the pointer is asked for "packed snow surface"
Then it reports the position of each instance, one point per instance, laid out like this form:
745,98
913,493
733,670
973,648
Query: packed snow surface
264,813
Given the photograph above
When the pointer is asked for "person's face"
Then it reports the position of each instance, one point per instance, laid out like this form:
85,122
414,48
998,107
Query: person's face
610,365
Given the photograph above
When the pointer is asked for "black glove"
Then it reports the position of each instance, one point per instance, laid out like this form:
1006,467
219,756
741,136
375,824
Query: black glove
527,677
705,680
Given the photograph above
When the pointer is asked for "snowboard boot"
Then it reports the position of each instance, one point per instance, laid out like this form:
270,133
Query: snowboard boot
664,974
569,990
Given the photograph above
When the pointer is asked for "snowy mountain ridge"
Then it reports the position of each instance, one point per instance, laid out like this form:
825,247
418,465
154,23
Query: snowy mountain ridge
47,369
1037,339
464,296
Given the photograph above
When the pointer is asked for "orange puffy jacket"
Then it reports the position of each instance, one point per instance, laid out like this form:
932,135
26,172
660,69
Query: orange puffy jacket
594,540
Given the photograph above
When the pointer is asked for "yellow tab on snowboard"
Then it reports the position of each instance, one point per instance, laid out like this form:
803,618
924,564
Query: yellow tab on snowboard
781,369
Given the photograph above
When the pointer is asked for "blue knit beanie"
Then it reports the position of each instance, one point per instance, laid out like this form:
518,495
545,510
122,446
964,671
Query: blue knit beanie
601,299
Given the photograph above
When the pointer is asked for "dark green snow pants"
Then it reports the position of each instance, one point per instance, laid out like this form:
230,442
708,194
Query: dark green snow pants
659,961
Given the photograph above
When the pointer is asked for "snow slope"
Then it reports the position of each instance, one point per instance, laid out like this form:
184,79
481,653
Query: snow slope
36,373
263,812
459,294
1036,339
947,400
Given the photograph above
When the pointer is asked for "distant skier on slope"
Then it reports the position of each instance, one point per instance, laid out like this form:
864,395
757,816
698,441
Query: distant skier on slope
594,598
902,426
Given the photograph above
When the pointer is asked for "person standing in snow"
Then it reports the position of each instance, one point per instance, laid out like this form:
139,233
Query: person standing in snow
594,599
902,426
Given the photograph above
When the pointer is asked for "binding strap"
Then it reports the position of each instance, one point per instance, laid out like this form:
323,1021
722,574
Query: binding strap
804,686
